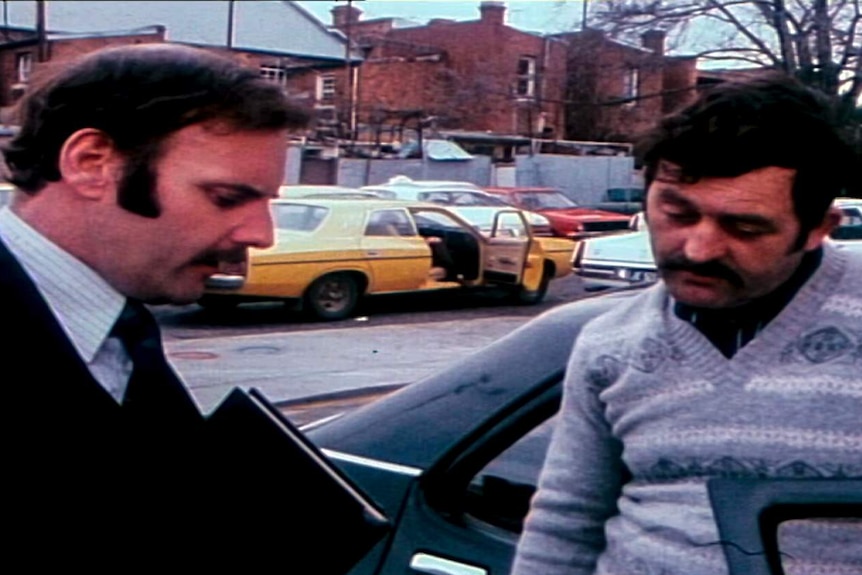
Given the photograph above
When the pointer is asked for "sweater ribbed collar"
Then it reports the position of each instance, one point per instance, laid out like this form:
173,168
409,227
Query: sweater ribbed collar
731,329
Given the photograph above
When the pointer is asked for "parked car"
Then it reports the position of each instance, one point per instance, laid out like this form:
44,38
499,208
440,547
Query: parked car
627,259
848,234
568,219
6,194
616,260
622,200
330,253
454,194
327,191
454,459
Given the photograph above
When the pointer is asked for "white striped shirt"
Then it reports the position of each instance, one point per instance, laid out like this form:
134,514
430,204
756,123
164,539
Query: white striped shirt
83,303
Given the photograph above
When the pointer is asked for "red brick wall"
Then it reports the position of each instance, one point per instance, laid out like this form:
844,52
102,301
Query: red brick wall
59,52
472,85
598,71
680,82
300,85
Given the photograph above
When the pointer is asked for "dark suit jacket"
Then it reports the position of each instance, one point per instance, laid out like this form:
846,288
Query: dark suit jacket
85,483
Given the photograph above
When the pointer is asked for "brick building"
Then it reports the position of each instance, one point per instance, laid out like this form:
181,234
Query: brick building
472,75
20,59
251,32
483,75
617,90
478,76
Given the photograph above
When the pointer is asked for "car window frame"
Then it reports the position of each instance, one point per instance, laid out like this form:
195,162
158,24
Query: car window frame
446,485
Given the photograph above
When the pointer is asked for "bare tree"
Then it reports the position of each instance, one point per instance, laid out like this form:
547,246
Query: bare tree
818,41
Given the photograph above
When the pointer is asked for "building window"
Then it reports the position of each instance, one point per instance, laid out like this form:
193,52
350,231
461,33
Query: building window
325,88
24,63
526,86
630,86
275,74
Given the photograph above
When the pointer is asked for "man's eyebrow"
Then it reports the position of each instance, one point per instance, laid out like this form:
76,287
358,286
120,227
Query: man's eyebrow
750,219
241,189
669,193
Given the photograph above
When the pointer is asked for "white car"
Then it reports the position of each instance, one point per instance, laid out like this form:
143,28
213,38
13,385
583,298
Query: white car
848,234
453,194
295,191
6,191
616,260
626,259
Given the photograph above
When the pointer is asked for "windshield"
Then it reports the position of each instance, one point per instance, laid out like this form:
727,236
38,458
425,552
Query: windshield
297,217
461,198
544,200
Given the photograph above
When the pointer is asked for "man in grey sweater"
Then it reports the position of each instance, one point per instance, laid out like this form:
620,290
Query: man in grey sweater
743,361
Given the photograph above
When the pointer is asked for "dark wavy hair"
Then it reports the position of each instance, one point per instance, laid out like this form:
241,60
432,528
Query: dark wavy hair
138,96
773,120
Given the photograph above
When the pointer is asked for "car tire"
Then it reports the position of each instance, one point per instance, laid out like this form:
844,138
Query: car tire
218,302
524,296
332,297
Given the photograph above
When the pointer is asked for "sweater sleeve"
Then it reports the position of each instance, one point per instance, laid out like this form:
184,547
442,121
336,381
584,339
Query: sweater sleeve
580,481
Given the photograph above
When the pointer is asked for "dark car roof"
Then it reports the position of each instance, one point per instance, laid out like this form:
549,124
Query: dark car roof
464,399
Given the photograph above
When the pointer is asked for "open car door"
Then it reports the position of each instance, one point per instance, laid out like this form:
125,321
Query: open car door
507,248
750,514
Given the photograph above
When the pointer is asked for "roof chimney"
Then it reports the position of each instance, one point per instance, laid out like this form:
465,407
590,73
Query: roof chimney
345,15
654,40
493,12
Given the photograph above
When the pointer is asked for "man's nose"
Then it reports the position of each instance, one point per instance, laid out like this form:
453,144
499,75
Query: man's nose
256,229
704,242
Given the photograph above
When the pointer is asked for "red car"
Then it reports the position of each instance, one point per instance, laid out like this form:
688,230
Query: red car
568,219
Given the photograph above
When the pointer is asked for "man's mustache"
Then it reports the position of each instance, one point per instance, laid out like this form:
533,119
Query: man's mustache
712,268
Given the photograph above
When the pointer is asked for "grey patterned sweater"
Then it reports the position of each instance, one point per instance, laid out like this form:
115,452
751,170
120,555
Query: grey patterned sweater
646,391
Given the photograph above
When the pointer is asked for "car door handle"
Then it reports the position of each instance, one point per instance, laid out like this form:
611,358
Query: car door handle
432,565
372,254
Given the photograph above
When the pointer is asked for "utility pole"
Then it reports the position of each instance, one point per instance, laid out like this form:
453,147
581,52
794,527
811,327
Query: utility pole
41,33
348,62
230,17
584,5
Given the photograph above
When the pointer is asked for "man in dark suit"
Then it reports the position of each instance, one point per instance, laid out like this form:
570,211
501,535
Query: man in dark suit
139,170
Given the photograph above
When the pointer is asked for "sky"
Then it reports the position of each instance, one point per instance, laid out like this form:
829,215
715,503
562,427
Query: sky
547,16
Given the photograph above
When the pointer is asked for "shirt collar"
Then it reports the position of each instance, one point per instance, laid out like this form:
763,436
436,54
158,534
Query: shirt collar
84,303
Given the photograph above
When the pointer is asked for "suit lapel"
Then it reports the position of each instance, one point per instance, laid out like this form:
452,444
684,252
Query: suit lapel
30,330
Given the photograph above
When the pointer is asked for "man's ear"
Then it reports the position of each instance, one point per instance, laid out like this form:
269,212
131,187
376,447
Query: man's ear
89,162
822,231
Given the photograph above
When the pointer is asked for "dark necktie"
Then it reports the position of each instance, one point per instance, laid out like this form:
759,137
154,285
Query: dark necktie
154,390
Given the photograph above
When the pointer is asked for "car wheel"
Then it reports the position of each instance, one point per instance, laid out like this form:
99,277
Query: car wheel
524,296
332,296
218,302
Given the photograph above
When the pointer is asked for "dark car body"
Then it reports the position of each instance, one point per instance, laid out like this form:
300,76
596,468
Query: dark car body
568,219
453,459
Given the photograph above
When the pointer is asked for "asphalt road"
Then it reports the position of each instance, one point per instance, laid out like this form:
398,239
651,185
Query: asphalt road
396,340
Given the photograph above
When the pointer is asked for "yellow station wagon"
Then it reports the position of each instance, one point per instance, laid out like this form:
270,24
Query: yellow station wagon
329,253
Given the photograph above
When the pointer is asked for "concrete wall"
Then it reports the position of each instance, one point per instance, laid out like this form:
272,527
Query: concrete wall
293,165
359,172
584,179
